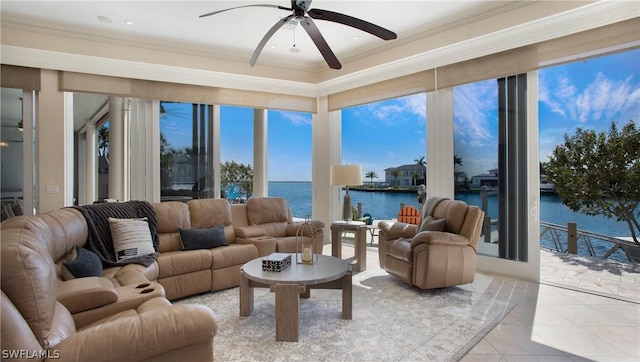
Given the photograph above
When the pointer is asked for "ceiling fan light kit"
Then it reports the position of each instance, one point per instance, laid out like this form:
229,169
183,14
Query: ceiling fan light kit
304,16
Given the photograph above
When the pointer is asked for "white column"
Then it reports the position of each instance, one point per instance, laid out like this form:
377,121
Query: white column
440,144
54,139
215,127
116,148
533,174
90,164
29,153
326,151
260,145
153,151
140,185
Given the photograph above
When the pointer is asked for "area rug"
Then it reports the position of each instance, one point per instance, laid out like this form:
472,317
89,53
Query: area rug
391,322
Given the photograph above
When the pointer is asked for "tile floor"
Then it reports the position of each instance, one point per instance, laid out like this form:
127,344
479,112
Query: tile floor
554,323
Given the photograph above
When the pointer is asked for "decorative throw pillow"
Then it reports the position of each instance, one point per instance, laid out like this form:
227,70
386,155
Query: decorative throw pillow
210,238
131,238
431,224
85,264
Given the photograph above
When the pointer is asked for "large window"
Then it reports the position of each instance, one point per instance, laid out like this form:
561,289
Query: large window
11,143
590,94
289,153
236,153
186,150
490,120
388,139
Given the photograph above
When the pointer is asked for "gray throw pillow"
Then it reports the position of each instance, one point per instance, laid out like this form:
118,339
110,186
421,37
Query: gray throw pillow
86,264
431,224
210,238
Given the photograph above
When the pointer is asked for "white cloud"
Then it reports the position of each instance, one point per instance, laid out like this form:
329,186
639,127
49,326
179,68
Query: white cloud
563,90
394,111
298,119
474,104
602,99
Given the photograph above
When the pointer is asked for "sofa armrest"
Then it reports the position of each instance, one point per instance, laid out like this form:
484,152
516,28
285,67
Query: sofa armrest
292,228
81,294
249,231
397,230
439,238
143,336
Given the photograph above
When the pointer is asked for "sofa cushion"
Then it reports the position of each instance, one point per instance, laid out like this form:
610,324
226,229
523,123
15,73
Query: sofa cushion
131,238
431,224
174,263
454,211
233,255
263,210
210,238
206,213
85,264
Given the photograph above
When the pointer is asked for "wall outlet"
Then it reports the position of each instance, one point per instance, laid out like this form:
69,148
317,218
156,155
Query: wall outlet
52,189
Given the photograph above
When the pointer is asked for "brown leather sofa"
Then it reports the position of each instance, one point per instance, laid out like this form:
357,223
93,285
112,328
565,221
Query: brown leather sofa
136,323
43,312
260,227
187,272
442,255
266,222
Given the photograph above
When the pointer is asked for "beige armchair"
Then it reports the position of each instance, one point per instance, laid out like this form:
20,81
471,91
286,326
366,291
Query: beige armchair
438,252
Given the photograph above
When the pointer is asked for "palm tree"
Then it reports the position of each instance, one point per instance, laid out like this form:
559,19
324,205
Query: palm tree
415,178
420,161
457,175
103,141
395,174
371,175
457,160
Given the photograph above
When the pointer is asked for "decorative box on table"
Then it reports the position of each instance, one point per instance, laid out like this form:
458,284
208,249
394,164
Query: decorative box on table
276,262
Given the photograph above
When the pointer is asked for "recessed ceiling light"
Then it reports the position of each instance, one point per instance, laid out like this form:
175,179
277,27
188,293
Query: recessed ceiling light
104,19
272,46
128,22
356,37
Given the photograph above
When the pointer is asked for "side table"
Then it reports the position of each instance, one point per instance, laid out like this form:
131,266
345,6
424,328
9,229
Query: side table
360,229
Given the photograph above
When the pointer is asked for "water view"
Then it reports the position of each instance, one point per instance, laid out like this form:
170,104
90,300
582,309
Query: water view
385,206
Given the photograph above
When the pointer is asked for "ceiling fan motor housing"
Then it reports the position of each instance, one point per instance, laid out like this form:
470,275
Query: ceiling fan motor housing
301,4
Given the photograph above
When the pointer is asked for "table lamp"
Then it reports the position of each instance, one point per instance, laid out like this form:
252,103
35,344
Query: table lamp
346,175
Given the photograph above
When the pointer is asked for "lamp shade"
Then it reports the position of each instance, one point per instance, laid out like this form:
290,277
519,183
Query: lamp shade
346,175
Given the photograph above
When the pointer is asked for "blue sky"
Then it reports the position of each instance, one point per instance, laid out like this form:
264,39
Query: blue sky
588,94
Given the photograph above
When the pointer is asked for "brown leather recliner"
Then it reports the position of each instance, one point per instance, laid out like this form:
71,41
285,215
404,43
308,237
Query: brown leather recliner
36,326
441,256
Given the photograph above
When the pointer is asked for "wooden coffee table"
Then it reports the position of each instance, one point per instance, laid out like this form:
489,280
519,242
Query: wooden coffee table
294,283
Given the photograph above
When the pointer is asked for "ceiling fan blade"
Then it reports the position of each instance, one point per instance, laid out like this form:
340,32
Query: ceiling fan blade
266,38
321,44
246,6
370,28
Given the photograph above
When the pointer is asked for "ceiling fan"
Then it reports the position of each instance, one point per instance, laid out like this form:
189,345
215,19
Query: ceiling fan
302,14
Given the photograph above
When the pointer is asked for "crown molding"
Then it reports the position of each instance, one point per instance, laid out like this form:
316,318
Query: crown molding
580,19
585,18
47,59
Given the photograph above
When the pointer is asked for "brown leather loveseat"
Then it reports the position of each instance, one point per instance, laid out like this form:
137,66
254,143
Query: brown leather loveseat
267,223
